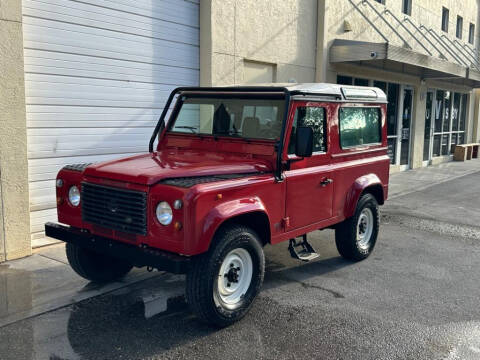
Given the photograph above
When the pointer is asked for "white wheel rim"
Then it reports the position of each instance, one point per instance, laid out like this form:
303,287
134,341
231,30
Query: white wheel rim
234,277
365,229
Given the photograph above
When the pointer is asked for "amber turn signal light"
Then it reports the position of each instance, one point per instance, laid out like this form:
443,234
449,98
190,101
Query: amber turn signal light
177,226
219,196
59,201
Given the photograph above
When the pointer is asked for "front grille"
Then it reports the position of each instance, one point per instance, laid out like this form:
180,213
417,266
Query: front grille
114,208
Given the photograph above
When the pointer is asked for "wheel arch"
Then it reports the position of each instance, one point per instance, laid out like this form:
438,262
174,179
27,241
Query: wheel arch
250,212
368,184
256,220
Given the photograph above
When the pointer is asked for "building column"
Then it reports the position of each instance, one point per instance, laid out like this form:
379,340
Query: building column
321,60
475,96
14,204
418,126
206,43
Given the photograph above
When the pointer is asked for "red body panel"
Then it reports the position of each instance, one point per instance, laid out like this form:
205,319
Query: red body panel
300,203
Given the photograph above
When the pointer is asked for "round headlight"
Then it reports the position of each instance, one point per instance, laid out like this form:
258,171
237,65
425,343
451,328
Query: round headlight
74,196
164,213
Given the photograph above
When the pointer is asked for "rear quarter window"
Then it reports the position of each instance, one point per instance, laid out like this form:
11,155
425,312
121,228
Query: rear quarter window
359,126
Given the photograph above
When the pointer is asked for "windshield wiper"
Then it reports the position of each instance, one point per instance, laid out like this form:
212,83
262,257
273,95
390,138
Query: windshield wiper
192,128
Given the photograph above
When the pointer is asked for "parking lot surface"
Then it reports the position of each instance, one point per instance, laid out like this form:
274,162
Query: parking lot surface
416,297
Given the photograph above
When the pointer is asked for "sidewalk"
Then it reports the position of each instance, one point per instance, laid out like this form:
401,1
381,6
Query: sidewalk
407,182
45,281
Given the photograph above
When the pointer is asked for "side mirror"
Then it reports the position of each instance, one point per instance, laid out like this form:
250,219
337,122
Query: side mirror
304,141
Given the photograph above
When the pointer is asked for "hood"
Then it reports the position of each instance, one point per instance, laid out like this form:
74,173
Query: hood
148,169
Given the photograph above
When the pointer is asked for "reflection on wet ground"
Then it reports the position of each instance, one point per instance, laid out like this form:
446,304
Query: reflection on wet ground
44,282
394,305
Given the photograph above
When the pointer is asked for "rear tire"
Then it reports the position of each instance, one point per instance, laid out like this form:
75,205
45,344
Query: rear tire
96,267
222,284
356,237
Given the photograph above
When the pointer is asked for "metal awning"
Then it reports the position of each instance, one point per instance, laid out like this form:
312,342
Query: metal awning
388,57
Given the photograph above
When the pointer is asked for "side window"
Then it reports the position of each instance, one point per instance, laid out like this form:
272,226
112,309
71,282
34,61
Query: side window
313,117
359,126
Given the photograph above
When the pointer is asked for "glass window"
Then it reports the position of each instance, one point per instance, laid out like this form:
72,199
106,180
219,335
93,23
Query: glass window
459,27
381,85
407,7
313,117
392,108
436,145
450,117
445,144
453,142
446,107
463,113
344,80
445,15
392,148
471,33
406,124
359,126
455,111
235,117
360,82
439,110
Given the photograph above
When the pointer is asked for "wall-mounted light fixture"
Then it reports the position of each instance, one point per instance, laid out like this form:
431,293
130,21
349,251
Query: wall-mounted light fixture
347,27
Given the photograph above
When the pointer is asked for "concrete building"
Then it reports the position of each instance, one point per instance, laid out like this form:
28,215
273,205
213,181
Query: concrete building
85,81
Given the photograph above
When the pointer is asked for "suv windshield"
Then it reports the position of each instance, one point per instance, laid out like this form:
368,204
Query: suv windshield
235,117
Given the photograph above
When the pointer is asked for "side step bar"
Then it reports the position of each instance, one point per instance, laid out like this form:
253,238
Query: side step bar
302,250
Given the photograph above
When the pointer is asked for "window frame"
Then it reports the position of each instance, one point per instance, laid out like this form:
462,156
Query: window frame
471,33
407,7
445,19
380,126
325,127
459,28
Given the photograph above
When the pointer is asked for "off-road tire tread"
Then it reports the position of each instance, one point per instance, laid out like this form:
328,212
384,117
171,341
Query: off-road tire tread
346,232
78,260
197,294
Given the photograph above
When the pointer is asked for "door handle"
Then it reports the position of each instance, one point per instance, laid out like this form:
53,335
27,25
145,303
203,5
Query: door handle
325,182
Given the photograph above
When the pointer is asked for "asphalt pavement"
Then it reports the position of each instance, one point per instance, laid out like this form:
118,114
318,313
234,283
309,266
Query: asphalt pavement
415,297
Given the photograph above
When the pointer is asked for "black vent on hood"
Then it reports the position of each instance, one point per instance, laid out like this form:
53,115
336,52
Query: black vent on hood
76,167
187,182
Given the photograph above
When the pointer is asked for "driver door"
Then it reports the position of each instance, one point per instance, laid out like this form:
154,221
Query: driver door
309,194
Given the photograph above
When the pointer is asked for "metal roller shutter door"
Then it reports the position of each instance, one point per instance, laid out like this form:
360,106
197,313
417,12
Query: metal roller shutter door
97,73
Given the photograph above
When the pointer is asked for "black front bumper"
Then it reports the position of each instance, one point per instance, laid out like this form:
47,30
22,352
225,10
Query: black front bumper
138,256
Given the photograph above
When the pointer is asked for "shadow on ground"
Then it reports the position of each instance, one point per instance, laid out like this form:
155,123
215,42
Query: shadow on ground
121,318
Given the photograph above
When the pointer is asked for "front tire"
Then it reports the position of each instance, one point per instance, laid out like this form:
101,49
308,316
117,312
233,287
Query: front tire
96,267
222,284
356,237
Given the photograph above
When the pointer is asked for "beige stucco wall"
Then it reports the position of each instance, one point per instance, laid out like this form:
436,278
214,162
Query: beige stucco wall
14,206
279,34
367,25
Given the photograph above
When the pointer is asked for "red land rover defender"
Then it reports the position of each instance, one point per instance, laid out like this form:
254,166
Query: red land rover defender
235,168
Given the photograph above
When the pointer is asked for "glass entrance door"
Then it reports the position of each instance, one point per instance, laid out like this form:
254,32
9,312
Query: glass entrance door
406,123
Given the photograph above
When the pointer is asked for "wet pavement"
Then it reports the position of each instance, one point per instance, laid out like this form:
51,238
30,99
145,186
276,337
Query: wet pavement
416,297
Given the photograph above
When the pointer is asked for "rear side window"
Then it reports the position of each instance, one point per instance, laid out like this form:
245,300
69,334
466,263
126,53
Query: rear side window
359,126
